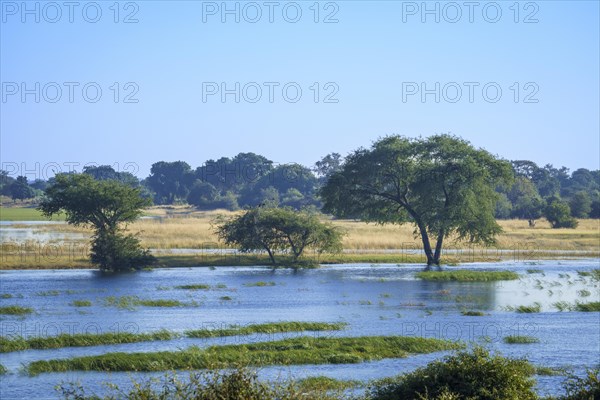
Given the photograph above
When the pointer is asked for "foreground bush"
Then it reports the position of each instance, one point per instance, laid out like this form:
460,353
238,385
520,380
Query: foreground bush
239,384
587,388
475,375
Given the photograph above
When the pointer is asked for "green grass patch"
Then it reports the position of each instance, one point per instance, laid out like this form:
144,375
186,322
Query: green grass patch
48,293
520,339
198,286
259,284
3,369
160,303
325,384
24,214
81,303
6,296
588,307
464,275
130,302
15,310
296,351
225,298
267,328
80,340
471,313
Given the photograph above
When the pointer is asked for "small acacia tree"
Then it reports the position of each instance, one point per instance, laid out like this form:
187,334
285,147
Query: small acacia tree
275,229
442,184
105,206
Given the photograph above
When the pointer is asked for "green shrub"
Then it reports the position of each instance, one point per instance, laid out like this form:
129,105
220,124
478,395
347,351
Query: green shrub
239,384
587,388
474,375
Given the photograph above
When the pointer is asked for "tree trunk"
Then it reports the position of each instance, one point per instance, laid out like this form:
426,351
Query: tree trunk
438,248
426,246
271,256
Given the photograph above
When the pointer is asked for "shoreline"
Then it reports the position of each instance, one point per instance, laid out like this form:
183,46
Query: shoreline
246,260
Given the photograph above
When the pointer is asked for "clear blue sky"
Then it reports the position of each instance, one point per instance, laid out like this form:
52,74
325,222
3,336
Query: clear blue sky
372,56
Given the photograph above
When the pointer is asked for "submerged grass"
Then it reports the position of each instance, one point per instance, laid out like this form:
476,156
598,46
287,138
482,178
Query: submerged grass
588,307
464,275
3,369
80,340
520,339
259,284
130,302
81,303
473,313
296,351
593,306
268,328
15,310
18,343
198,286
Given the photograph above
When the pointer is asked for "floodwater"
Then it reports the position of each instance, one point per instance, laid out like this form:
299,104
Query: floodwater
371,299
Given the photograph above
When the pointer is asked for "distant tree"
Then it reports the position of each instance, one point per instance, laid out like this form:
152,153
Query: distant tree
203,195
595,208
269,196
503,207
526,201
278,229
39,184
328,165
283,178
442,184
235,174
581,205
20,189
106,172
558,213
101,172
104,206
170,181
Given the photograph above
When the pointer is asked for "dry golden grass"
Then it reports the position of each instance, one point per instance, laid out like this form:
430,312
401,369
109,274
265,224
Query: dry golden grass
182,228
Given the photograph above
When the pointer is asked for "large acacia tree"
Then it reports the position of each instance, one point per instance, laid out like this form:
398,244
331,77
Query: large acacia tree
105,206
441,184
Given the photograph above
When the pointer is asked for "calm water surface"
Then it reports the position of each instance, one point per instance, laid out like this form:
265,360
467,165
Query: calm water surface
372,299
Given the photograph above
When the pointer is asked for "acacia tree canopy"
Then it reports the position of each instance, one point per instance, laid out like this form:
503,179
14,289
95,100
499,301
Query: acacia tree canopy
102,205
441,184
275,229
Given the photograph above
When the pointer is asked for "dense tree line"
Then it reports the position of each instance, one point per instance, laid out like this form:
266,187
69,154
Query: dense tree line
249,180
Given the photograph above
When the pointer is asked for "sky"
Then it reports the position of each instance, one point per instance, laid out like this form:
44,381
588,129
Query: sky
131,83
